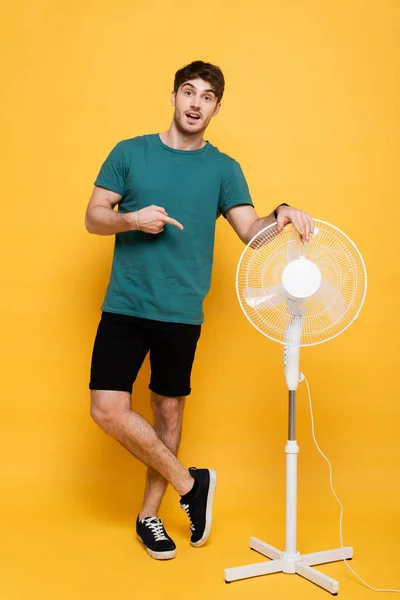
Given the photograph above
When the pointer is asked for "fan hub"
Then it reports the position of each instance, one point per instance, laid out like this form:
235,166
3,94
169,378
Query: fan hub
301,278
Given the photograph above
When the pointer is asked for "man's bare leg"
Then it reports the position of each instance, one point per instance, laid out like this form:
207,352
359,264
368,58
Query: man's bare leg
111,411
168,415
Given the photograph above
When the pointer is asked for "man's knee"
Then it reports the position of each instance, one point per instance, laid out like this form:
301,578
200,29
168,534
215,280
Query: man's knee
168,410
107,407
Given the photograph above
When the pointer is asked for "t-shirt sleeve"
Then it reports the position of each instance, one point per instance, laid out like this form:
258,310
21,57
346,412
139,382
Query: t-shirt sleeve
234,189
114,171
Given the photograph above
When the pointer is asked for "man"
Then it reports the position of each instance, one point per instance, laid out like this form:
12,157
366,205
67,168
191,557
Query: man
170,188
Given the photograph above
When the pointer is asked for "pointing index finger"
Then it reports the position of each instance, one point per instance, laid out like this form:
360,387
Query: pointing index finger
172,221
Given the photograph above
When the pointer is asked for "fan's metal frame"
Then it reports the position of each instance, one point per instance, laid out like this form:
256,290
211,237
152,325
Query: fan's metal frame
302,344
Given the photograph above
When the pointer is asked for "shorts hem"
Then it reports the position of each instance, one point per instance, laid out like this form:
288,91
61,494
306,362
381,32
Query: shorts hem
161,392
109,388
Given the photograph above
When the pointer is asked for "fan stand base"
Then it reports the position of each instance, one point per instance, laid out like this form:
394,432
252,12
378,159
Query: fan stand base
282,562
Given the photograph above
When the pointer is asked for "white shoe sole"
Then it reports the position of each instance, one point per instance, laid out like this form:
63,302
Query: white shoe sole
158,555
210,500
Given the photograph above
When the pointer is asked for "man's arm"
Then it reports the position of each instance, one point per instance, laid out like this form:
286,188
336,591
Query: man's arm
246,223
103,220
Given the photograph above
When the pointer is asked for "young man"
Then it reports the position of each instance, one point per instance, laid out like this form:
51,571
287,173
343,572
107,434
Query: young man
170,188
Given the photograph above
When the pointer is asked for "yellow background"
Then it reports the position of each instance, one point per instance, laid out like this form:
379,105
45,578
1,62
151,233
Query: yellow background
311,113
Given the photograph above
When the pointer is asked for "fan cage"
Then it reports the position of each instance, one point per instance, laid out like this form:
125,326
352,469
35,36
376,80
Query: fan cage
325,315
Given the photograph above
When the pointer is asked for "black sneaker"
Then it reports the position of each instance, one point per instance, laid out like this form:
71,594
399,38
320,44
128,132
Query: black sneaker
152,534
198,504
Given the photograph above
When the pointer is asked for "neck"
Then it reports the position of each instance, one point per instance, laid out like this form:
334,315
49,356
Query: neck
182,141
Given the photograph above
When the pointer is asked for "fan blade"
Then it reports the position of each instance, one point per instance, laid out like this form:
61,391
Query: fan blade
332,300
265,297
294,249
295,307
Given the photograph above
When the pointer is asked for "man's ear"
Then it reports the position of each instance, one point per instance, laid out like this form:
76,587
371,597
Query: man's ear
173,98
216,110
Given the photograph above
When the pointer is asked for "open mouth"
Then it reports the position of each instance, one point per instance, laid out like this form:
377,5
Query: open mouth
192,117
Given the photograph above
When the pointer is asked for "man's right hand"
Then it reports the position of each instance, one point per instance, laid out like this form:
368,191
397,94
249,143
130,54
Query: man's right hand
152,219
101,219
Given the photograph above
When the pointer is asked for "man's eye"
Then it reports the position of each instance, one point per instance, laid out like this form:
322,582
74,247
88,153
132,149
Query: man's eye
188,93
207,98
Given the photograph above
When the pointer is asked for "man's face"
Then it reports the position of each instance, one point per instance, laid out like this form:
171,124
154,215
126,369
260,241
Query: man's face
195,104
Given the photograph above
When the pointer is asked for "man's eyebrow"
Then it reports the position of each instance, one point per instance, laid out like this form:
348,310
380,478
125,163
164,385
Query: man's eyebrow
195,88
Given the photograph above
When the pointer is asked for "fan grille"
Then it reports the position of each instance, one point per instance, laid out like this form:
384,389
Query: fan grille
327,313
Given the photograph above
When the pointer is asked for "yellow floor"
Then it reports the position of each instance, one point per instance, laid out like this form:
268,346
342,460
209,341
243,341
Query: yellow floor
76,541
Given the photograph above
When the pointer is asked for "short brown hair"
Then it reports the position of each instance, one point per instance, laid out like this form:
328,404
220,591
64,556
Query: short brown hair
201,70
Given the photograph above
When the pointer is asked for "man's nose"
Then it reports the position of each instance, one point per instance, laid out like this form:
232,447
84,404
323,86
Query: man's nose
195,103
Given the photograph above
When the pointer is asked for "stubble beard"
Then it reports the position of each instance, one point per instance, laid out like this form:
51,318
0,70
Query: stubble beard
187,130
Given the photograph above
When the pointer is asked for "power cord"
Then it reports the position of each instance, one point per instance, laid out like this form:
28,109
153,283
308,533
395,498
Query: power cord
334,493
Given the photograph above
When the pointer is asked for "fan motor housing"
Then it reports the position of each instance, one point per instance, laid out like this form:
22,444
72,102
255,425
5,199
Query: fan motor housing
301,278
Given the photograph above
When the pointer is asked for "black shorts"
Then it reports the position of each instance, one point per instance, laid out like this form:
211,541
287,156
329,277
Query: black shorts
120,347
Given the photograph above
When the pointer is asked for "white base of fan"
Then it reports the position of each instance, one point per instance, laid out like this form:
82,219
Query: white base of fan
282,562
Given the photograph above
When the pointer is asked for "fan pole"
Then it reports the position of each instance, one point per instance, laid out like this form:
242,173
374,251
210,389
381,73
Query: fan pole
291,450
292,415
290,560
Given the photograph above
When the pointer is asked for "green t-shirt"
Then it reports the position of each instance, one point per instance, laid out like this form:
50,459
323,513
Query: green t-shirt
167,276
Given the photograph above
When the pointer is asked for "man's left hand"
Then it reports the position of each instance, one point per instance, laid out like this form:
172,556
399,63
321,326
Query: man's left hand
302,221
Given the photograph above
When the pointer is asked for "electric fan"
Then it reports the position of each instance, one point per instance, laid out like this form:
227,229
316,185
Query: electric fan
298,294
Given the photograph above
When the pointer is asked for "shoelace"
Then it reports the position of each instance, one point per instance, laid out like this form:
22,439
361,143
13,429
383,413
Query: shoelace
156,527
186,508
